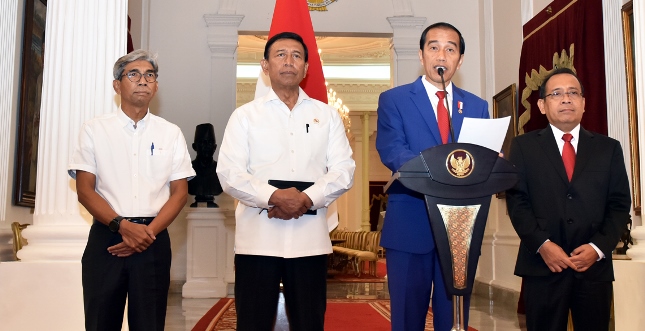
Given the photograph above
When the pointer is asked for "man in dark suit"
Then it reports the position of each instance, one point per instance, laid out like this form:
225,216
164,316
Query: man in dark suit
569,209
408,118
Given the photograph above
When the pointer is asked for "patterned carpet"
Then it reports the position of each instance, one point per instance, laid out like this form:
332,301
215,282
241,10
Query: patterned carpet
373,315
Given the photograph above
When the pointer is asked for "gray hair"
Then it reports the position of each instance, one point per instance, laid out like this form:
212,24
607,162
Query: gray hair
139,54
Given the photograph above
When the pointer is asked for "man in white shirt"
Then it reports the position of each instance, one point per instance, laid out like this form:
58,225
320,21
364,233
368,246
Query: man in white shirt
288,136
131,169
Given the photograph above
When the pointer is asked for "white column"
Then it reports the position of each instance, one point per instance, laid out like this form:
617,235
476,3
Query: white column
639,57
222,41
8,15
405,44
617,114
365,173
628,286
84,39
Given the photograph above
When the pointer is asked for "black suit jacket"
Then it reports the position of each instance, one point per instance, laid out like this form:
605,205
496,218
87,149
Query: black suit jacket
594,207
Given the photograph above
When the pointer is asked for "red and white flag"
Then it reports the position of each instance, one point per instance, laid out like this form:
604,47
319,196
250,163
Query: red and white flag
293,16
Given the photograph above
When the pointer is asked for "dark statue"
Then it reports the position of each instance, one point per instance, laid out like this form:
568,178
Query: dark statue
205,186
625,240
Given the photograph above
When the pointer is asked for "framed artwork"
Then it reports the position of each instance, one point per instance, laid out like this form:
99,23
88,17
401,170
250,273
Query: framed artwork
30,95
628,40
505,104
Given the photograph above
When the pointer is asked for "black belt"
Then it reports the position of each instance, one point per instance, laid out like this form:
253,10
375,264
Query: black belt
140,220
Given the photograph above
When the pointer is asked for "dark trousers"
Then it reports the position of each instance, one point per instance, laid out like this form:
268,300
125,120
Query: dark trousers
143,277
410,279
549,299
257,290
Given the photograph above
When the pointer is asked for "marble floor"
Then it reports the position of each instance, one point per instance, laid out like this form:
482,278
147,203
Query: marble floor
485,314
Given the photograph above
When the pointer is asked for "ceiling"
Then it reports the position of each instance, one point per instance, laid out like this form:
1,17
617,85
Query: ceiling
335,50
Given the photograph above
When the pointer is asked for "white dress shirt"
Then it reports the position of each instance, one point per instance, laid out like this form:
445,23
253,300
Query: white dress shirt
432,95
133,167
265,140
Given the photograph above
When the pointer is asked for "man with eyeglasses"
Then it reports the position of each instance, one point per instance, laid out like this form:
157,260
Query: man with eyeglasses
569,209
131,169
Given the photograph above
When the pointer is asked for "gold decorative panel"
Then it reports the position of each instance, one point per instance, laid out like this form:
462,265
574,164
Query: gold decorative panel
459,222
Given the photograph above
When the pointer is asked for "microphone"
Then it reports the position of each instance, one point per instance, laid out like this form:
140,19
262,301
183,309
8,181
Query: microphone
440,71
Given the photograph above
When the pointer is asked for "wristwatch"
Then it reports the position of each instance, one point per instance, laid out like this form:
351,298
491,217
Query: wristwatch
115,224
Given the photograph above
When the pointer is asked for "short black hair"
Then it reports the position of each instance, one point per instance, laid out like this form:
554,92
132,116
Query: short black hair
558,71
285,35
444,25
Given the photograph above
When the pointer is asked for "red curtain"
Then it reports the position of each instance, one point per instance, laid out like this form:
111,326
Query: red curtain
567,33
293,16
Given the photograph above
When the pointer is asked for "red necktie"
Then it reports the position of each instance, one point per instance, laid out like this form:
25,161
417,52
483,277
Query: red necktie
442,117
568,155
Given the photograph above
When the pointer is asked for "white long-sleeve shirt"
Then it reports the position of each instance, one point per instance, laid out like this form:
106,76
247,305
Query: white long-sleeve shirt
265,140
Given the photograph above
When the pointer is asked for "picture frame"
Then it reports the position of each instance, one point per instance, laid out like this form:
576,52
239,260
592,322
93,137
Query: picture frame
31,76
627,14
505,104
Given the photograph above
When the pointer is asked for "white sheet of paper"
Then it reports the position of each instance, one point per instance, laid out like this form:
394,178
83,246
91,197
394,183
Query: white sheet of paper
489,133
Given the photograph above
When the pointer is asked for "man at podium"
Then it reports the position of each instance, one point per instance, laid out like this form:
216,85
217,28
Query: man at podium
412,118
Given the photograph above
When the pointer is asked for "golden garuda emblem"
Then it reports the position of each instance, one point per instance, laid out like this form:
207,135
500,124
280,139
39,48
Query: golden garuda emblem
460,163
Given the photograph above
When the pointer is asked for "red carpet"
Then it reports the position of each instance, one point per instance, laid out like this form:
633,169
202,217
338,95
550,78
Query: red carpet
365,277
342,315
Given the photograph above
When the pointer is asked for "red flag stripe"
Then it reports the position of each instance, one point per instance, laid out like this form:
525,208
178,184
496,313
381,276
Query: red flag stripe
293,16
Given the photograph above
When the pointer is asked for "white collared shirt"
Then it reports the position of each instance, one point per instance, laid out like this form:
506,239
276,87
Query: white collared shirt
265,140
133,167
432,95
557,133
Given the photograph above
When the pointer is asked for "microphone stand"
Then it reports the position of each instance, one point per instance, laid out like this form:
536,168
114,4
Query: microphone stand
458,322
443,83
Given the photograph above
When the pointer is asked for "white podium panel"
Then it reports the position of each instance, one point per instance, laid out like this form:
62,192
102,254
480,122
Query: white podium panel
629,294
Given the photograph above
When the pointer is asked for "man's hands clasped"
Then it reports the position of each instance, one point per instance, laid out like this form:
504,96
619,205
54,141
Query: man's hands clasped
557,260
288,203
136,239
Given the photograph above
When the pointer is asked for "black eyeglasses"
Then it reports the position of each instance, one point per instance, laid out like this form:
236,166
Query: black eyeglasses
557,95
135,76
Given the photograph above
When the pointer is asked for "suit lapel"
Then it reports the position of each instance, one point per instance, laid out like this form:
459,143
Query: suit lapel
546,140
583,152
419,97
457,105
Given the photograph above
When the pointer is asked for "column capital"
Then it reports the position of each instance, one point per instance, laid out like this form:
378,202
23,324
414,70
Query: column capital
406,22
215,20
222,34
406,31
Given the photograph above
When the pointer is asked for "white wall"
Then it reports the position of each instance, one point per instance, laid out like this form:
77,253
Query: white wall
499,248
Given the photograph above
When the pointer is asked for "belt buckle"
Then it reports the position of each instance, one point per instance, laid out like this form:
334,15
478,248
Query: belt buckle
138,221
